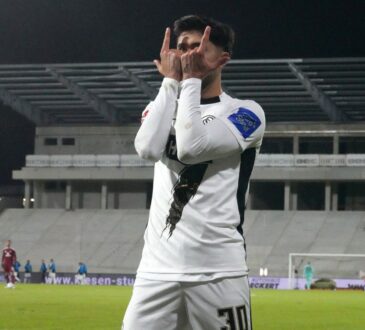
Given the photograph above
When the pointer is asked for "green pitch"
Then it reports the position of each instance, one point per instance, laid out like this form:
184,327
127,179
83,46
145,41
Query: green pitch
46,307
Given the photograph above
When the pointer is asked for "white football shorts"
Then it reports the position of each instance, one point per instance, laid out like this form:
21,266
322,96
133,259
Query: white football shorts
222,304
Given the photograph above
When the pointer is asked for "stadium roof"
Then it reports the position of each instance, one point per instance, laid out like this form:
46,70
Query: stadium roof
290,90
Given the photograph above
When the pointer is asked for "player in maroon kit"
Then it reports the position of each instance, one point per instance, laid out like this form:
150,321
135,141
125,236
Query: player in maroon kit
7,261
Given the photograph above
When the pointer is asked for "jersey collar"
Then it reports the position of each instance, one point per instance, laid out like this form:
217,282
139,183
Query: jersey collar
210,100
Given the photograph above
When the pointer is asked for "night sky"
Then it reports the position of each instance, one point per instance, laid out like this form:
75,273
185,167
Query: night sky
66,31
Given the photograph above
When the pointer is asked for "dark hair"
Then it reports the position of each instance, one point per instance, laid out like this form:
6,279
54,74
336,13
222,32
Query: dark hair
221,35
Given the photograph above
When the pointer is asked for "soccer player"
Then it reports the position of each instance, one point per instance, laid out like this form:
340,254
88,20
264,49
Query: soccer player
308,275
193,272
28,269
81,274
8,259
52,272
16,267
43,270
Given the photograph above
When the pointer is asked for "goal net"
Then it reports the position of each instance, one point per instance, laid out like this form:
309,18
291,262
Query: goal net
326,265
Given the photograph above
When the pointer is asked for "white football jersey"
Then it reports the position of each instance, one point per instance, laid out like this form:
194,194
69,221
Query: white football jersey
194,230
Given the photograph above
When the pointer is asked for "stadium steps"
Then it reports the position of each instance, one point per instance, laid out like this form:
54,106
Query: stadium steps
263,234
107,241
335,236
304,232
282,233
356,243
111,241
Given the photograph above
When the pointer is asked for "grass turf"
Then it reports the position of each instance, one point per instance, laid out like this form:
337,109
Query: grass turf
46,307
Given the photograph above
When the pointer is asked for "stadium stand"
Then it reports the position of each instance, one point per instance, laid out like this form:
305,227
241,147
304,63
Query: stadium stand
108,241
111,241
272,235
86,194
304,90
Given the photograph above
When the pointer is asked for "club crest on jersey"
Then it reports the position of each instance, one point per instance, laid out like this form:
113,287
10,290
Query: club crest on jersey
245,121
207,119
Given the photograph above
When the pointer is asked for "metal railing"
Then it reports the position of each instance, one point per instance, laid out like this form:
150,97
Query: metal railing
263,160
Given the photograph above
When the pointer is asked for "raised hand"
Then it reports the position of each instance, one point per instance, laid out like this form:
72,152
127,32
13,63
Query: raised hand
170,63
195,63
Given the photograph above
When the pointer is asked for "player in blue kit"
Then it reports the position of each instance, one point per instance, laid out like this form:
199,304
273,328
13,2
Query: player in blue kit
193,272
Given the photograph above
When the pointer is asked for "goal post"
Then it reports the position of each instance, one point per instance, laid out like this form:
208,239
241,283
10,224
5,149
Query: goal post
292,267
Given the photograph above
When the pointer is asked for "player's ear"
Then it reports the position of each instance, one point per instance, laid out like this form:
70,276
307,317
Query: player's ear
224,59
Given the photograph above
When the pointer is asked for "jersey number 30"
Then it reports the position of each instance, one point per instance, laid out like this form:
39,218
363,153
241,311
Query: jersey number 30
232,315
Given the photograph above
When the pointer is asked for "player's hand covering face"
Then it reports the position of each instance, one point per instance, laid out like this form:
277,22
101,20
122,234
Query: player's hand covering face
200,56
170,64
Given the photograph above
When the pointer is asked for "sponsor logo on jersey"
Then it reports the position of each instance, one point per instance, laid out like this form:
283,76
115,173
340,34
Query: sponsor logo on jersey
245,121
207,119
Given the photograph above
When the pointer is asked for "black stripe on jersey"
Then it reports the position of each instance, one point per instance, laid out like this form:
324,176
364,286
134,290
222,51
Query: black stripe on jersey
247,162
185,188
171,149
